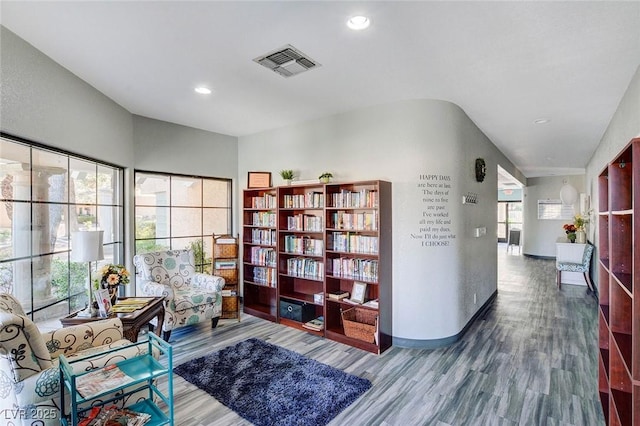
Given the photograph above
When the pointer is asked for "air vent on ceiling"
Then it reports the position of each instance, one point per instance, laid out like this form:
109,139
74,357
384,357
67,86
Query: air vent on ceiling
287,61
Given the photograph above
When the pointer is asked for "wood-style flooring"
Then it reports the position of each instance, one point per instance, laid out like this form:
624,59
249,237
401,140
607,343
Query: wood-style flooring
531,359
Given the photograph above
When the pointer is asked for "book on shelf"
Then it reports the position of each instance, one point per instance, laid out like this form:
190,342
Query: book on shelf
371,303
351,301
316,324
338,295
225,240
226,264
101,380
228,293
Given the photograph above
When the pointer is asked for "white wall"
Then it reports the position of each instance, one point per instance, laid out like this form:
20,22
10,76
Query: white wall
624,126
399,142
43,102
171,148
539,236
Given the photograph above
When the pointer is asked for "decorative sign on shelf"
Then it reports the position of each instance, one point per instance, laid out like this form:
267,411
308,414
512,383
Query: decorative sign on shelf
259,180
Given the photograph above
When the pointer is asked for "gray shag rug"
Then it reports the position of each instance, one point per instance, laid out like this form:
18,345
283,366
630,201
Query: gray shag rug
269,385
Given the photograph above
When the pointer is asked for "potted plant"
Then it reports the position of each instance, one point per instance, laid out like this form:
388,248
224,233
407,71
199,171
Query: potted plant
287,175
325,177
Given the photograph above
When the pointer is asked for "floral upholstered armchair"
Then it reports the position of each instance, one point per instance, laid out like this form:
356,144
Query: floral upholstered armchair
29,373
189,297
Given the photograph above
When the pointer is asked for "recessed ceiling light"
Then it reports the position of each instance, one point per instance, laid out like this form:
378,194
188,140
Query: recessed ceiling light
358,22
541,121
203,90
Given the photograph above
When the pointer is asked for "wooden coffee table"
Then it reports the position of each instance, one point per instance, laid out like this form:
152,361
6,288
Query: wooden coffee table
131,322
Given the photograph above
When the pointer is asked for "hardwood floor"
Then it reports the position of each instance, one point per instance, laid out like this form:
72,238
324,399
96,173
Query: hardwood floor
530,360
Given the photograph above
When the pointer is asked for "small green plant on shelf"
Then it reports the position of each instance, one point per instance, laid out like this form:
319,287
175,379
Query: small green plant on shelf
325,177
286,174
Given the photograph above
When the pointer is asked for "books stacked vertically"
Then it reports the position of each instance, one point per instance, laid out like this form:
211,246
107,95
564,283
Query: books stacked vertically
316,324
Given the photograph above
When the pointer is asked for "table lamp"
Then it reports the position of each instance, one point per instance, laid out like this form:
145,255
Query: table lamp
86,246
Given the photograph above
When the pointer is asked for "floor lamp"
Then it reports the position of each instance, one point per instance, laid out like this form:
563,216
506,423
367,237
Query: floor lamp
86,246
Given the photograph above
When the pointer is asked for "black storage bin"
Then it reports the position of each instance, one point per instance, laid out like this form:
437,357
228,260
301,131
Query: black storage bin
297,311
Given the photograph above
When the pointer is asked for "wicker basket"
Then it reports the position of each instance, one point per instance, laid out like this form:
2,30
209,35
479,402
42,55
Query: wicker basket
230,275
360,323
225,251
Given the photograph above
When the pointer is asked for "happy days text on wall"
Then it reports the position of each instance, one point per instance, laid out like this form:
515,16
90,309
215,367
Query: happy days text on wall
434,226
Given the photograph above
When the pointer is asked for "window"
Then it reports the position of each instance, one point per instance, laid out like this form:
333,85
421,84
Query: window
47,195
174,212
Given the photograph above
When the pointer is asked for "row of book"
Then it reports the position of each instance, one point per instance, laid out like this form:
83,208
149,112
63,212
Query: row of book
365,198
360,269
267,237
266,201
263,219
313,200
265,276
304,222
303,245
263,256
305,267
354,243
355,221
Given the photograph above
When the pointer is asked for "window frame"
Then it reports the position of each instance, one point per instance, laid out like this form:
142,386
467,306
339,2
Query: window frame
118,242
201,264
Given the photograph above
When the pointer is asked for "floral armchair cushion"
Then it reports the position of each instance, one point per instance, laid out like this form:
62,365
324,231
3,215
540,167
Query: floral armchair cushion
29,373
190,297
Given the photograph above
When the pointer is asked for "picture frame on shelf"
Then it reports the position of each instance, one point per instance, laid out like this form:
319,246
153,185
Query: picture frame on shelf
358,292
258,180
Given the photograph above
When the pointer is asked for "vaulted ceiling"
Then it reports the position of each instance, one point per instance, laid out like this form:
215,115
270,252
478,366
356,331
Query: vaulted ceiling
506,64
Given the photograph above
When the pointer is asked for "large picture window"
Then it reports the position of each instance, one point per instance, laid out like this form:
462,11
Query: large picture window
175,212
46,196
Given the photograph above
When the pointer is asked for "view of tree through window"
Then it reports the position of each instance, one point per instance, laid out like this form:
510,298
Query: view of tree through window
177,212
47,195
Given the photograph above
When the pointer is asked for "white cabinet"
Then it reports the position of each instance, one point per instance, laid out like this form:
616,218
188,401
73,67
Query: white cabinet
570,252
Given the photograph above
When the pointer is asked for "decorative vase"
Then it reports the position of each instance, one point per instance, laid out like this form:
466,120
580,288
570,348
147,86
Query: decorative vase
572,237
287,182
113,292
324,180
581,237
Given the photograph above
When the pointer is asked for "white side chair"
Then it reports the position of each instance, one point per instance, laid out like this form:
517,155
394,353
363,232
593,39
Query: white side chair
577,267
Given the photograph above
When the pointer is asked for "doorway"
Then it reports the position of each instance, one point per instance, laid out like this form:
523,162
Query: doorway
509,217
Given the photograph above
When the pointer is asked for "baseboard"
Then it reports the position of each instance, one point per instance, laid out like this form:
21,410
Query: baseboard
446,341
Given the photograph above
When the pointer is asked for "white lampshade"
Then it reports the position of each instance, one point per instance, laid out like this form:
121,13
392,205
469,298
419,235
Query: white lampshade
568,194
86,246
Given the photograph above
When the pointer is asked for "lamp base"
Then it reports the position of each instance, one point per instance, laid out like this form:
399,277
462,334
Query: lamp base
88,312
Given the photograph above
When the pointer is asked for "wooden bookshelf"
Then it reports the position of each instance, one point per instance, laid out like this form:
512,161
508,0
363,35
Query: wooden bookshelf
358,249
619,273
259,245
301,265
316,228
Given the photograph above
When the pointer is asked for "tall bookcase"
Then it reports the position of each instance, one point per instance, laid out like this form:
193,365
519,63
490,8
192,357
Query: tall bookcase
358,236
619,274
259,255
301,249
324,237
